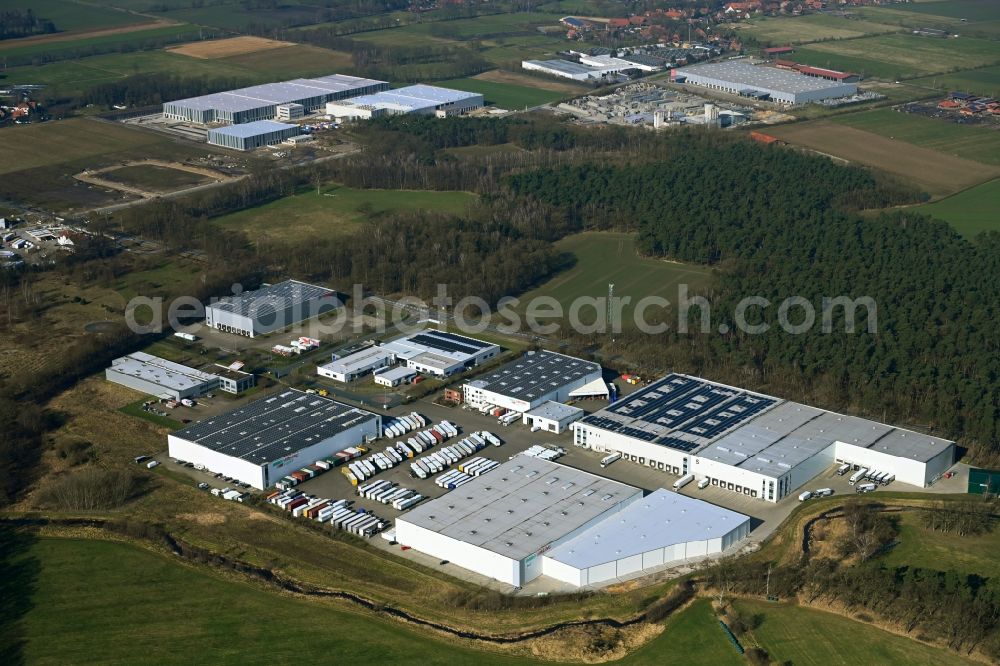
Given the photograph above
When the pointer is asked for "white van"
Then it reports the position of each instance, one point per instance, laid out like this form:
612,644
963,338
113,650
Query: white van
703,483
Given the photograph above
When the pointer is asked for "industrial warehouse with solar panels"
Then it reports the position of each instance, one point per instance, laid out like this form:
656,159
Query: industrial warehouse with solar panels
750,443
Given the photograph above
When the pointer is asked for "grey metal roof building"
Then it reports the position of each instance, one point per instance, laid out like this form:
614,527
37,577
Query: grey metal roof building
160,377
420,98
535,378
264,440
751,443
500,524
662,528
763,82
260,102
253,135
270,308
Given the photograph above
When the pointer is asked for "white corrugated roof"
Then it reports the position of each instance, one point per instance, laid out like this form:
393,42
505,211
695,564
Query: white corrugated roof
661,519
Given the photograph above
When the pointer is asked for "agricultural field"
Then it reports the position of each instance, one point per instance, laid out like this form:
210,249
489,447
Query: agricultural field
971,10
983,81
604,257
239,16
902,56
971,211
778,31
526,80
298,60
936,173
981,144
69,15
50,153
336,211
52,46
803,636
506,95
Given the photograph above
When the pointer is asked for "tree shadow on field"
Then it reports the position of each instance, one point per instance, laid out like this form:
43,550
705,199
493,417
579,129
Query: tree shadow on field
19,572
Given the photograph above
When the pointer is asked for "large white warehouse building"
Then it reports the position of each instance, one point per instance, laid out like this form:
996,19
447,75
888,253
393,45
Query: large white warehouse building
531,517
750,443
266,439
261,102
738,77
418,99
535,378
270,308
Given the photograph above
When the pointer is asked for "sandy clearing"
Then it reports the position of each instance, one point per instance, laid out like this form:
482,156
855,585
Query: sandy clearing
224,48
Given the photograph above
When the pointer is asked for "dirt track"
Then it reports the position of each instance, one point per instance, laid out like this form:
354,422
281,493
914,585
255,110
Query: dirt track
938,173
85,34
93,177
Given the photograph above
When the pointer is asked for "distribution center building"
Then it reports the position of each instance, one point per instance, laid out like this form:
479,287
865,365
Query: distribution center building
440,353
159,377
762,82
266,439
261,102
270,308
531,517
570,69
251,136
535,378
418,99
501,524
753,444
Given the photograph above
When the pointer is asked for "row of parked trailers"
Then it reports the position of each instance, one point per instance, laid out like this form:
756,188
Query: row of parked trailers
311,471
449,455
401,425
386,492
864,474
338,513
362,470
466,472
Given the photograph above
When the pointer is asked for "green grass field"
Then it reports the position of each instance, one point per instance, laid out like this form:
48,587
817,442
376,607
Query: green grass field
238,16
807,637
920,547
975,143
336,211
971,10
113,603
983,81
300,60
69,15
506,95
812,28
971,211
901,56
603,258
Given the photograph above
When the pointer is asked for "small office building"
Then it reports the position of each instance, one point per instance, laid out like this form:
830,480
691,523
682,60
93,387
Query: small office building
395,377
358,364
159,377
551,416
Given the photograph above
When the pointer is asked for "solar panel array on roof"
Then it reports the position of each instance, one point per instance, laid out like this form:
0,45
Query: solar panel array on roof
449,342
270,428
681,412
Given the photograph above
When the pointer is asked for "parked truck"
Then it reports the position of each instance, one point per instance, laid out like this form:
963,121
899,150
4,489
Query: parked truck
683,481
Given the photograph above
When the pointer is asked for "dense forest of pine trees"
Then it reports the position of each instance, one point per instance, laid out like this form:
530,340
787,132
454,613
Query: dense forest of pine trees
778,223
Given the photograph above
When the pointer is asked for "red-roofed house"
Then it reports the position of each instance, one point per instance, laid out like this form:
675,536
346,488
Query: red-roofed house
778,50
618,23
